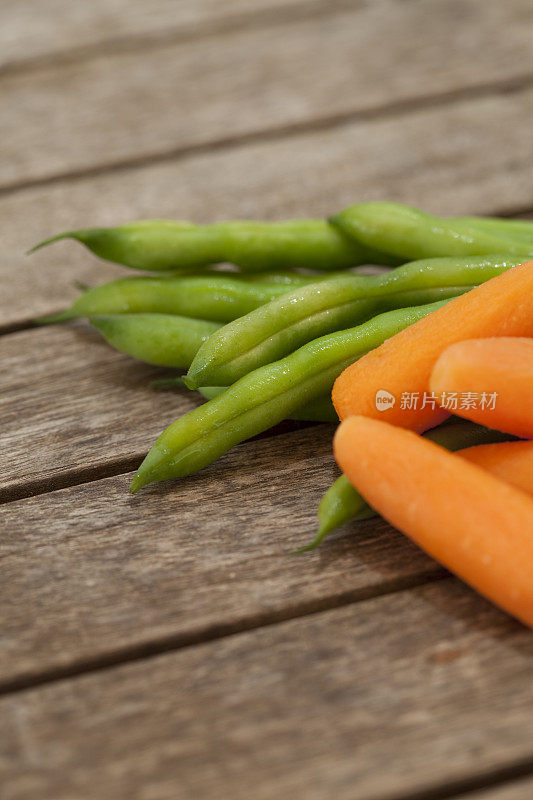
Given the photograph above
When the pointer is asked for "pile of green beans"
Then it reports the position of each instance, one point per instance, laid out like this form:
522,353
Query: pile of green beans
295,318
266,342
265,397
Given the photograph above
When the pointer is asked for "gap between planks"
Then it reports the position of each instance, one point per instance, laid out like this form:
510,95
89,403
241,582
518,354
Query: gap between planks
474,787
151,649
320,647
179,567
230,23
178,34
114,468
504,781
399,109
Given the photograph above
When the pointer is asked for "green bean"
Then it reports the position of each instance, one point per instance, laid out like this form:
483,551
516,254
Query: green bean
516,228
252,246
318,410
303,314
161,339
264,397
343,503
212,297
288,278
408,233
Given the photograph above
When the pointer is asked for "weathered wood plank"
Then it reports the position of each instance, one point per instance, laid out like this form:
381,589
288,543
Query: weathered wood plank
89,573
122,107
71,404
391,697
424,158
33,31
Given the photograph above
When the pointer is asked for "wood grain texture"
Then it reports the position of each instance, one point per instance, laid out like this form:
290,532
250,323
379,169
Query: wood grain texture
424,158
72,404
31,31
122,107
252,673
387,698
89,573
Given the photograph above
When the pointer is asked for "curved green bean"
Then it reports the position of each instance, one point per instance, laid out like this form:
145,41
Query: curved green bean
342,503
265,397
161,339
303,314
516,228
252,246
320,409
220,298
408,233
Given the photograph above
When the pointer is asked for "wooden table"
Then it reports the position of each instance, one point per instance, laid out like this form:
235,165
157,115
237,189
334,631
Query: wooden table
168,645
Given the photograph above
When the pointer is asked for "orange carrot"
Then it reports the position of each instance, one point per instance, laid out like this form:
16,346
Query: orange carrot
491,380
402,366
512,462
476,525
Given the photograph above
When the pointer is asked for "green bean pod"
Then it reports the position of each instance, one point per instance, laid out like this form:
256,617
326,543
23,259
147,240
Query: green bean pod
252,246
265,397
303,314
342,503
220,298
320,409
519,229
161,339
408,233
287,277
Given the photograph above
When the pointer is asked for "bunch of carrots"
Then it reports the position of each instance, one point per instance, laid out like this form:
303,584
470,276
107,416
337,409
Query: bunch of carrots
471,510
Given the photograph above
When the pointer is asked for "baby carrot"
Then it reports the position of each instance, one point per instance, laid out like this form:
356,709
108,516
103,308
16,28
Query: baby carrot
512,462
473,523
401,367
494,377
342,503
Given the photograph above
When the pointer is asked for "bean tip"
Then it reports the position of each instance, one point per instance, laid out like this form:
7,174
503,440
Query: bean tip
320,536
53,319
50,240
136,484
334,219
190,382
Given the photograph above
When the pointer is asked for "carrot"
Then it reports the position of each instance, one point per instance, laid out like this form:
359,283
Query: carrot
512,462
473,523
402,365
491,380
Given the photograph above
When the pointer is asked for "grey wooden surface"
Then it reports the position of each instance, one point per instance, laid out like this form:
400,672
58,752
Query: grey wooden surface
169,645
